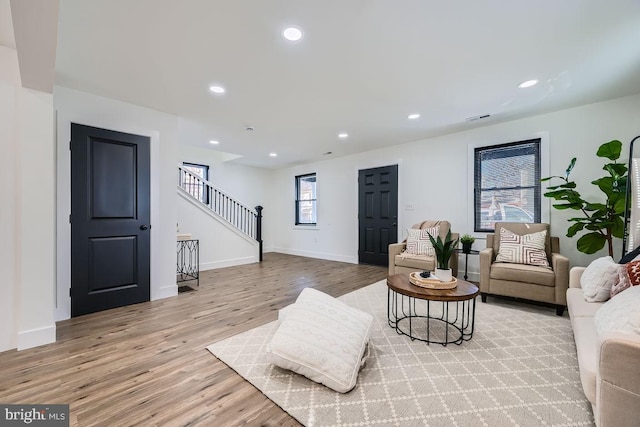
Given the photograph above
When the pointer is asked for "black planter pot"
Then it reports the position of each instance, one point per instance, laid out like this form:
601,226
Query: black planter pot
466,247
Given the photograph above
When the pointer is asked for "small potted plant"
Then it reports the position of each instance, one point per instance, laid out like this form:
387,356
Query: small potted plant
467,240
444,250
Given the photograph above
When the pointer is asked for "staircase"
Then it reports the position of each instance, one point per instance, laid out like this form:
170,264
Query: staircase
243,219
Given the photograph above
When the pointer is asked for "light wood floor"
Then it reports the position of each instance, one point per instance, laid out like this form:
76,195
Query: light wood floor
146,364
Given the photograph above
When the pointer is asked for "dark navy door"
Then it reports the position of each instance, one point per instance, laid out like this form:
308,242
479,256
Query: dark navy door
377,213
110,212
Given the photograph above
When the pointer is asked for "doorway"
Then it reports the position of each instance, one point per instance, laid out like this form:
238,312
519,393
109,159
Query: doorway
110,215
377,213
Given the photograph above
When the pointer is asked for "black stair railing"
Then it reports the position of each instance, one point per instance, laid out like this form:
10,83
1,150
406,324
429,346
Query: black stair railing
246,220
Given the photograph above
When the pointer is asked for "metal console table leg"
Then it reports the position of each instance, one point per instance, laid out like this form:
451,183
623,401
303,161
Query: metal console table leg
188,261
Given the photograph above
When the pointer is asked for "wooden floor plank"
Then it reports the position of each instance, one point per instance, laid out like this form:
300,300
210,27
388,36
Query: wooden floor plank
146,364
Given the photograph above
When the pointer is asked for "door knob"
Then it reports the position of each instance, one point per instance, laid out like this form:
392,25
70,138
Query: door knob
144,227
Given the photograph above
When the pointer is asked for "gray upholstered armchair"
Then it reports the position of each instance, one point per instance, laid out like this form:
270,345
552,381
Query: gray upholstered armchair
402,263
528,282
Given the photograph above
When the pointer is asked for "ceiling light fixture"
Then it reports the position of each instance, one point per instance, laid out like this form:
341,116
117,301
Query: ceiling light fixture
214,142
528,83
343,135
217,89
293,34
413,116
273,154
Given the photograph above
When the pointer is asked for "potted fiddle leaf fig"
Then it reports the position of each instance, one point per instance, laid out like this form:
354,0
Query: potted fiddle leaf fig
467,240
444,250
603,219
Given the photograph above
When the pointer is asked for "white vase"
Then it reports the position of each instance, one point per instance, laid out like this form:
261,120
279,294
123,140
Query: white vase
444,275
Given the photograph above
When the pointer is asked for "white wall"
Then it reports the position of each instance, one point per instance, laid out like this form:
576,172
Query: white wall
9,86
36,126
249,185
433,176
219,246
79,107
27,217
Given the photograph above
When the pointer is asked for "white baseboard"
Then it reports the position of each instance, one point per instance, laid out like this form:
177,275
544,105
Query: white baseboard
319,255
35,337
164,292
228,263
62,313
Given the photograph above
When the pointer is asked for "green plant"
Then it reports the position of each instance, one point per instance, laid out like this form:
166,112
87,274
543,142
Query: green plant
444,250
467,238
603,221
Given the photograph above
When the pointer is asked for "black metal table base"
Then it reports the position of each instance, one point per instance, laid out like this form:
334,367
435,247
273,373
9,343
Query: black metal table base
452,324
188,261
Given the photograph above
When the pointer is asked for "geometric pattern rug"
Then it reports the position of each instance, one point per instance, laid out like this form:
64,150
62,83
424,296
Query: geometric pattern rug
519,369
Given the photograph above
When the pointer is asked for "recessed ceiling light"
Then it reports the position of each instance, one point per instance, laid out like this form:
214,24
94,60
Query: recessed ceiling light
343,135
413,116
214,142
528,83
273,154
216,89
293,34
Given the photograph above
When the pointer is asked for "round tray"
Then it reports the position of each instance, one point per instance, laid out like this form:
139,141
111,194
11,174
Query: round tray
430,283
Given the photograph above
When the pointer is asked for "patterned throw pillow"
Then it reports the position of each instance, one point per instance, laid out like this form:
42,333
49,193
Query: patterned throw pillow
628,276
525,249
418,242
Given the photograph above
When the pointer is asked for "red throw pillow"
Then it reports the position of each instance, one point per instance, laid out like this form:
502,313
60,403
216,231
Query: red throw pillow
629,276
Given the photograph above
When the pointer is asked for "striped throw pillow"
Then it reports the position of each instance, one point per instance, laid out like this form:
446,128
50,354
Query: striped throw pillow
526,249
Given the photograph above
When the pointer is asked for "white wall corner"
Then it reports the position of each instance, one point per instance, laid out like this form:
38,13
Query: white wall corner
36,337
164,292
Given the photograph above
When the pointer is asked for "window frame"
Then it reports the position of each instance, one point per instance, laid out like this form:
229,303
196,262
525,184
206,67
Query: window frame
541,165
205,168
299,178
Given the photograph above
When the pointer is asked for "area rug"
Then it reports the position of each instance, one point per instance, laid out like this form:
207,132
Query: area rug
520,369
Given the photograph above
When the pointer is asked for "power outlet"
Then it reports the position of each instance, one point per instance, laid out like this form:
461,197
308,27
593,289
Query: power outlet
409,207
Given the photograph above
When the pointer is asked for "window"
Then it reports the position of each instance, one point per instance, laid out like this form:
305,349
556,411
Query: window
506,184
306,210
192,181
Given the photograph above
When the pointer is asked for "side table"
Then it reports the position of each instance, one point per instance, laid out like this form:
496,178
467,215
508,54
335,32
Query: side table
466,259
437,316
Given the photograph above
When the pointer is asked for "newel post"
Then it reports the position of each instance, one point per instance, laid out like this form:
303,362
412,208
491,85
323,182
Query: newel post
259,230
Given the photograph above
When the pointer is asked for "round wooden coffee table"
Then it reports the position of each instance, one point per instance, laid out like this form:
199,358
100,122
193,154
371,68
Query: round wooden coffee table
449,320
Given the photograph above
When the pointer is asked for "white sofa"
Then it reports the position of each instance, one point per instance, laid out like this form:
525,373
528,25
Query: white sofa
609,365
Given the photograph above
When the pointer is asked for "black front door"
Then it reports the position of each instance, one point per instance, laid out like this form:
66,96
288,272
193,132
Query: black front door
109,219
377,213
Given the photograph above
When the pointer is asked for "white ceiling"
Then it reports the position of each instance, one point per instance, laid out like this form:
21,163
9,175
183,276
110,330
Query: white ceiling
361,67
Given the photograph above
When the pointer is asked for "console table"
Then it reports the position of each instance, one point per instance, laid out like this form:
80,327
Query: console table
188,261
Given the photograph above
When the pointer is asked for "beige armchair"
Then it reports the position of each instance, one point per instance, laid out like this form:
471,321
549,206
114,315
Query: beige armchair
525,281
400,263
